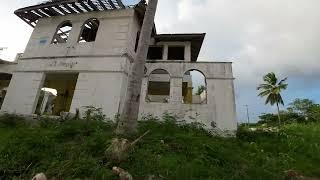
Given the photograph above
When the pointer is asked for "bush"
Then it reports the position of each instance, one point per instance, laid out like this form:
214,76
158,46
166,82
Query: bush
75,149
11,121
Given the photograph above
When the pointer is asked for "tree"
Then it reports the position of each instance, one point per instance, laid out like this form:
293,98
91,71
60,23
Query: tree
272,88
301,106
200,90
129,116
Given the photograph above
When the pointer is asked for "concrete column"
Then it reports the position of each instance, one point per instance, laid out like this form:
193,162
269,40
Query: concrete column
165,52
23,92
187,52
44,102
176,90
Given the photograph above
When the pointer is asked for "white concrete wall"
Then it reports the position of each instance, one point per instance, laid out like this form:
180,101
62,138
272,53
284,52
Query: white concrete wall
112,37
23,93
220,106
103,68
101,90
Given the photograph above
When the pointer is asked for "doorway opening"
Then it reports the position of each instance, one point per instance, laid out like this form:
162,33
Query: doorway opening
56,94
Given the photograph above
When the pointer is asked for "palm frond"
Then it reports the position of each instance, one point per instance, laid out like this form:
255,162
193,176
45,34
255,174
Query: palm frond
264,93
264,86
270,78
283,80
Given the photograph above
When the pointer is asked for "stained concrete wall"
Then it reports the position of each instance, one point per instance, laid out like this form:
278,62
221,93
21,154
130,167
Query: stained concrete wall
113,36
101,90
23,92
103,68
220,107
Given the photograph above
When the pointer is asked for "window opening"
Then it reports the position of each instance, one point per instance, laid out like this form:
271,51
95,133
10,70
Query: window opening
89,31
176,53
158,86
194,88
62,34
155,53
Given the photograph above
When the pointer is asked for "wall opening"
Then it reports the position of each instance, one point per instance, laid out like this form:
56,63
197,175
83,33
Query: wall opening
194,88
56,94
155,53
4,84
158,86
176,52
137,42
89,31
63,32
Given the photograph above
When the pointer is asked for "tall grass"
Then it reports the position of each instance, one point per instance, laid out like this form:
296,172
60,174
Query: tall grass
75,149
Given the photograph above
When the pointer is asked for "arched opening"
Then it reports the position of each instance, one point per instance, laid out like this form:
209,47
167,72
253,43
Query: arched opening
89,31
63,32
194,88
4,84
158,86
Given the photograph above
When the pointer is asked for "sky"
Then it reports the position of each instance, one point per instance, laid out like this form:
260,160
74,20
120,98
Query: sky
258,36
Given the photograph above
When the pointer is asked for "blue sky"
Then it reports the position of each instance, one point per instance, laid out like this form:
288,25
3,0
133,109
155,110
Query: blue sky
258,36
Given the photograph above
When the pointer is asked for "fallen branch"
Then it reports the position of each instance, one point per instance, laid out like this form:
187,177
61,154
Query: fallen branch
119,148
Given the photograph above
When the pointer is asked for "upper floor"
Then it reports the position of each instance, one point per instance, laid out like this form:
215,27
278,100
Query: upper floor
61,30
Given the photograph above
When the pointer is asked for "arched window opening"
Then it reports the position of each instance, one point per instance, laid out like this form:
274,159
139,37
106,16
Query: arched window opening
158,86
89,31
62,33
194,88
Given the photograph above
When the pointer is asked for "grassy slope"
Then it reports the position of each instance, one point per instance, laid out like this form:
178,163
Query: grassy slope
76,150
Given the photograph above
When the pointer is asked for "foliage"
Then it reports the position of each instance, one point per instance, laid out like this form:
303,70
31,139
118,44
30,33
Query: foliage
272,89
301,106
286,117
299,111
64,150
200,90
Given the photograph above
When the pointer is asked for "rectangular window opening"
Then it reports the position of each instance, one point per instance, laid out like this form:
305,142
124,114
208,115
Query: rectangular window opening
155,53
176,53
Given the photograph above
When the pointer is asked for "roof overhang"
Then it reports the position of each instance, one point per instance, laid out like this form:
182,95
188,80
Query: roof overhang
52,8
195,39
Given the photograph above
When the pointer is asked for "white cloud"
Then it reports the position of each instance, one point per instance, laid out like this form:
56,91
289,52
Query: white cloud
258,36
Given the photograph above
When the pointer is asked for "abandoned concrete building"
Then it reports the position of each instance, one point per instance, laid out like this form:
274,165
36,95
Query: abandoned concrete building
80,53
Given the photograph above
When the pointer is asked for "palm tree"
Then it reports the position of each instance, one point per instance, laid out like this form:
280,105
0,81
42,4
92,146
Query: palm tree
129,116
272,88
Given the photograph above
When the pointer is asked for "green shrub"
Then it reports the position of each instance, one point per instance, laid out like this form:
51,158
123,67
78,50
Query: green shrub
11,121
75,149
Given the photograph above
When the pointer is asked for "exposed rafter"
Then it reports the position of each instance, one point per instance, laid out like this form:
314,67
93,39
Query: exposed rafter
32,14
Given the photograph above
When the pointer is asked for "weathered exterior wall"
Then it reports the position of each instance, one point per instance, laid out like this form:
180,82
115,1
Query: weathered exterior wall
103,68
101,90
23,92
112,36
220,107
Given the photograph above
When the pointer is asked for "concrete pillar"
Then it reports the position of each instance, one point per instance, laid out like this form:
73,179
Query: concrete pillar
44,102
175,90
165,52
23,92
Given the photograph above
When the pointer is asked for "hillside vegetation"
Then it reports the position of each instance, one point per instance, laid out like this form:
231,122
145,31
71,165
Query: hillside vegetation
76,149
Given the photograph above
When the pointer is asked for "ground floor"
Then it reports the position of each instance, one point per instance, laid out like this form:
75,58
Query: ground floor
193,92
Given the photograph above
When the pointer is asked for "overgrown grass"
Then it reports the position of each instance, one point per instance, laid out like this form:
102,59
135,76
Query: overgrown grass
75,149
